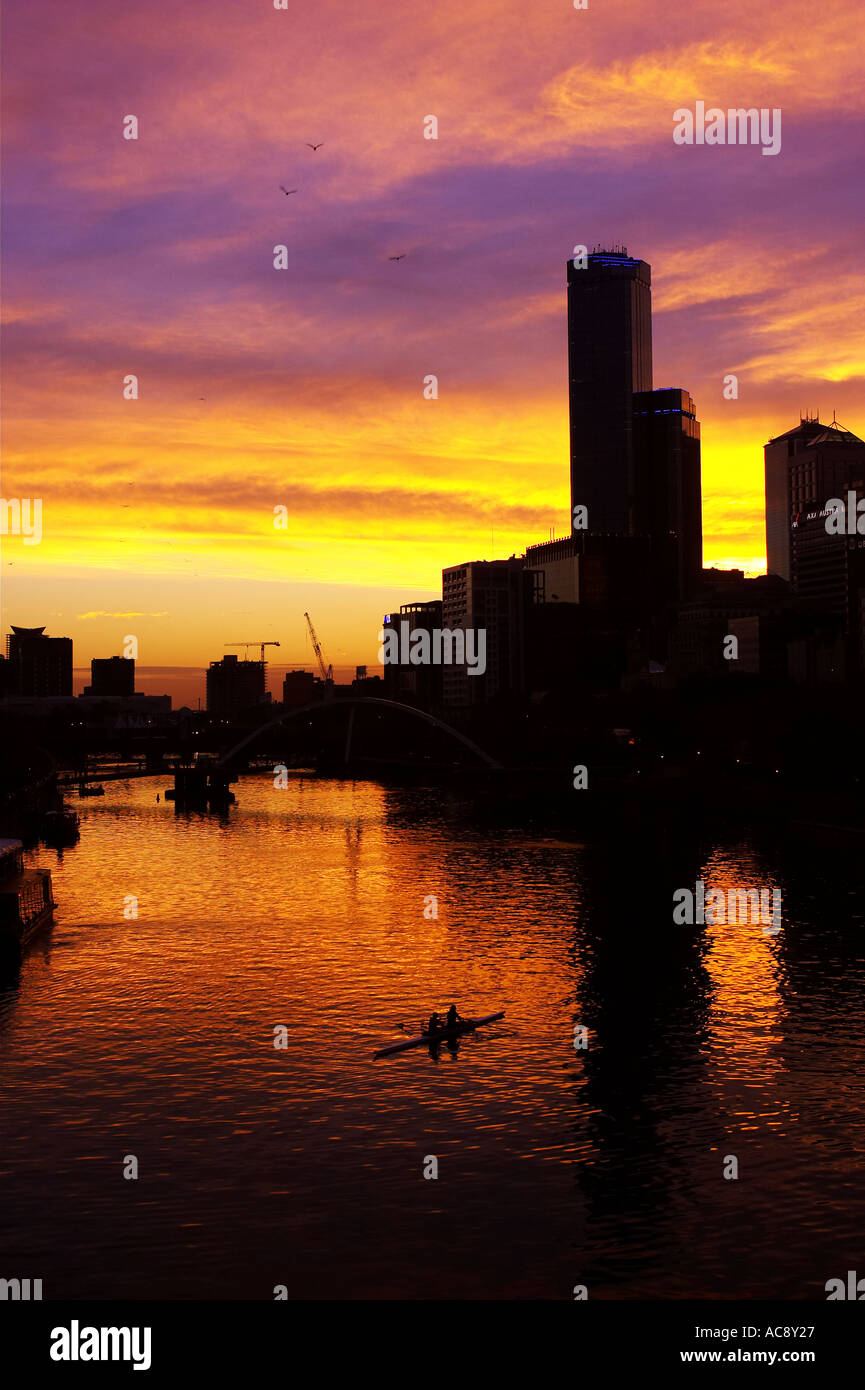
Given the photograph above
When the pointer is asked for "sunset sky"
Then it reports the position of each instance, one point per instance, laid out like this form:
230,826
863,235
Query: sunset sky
304,387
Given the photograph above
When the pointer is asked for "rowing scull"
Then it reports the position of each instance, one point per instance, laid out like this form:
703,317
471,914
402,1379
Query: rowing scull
466,1025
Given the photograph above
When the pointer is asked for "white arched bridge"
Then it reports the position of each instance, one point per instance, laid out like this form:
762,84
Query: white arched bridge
350,704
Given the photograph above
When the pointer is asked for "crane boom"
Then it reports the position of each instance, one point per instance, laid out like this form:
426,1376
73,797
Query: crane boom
247,645
326,671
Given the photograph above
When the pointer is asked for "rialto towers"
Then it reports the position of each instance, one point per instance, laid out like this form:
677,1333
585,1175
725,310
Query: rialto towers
635,452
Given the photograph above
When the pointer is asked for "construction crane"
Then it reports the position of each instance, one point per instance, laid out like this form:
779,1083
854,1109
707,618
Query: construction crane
247,645
326,671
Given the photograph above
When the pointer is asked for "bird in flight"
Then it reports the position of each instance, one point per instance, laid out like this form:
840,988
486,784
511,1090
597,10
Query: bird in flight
286,191
315,147
400,257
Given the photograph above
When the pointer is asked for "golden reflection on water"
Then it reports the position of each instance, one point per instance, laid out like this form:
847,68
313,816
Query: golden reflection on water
304,908
745,1024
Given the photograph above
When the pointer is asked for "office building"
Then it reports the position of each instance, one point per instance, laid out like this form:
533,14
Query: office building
235,686
610,573
635,452
609,358
111,676
7,677
41,666
414,685
829,577
760,613
492,598
298,688
803,469
593,602
667,482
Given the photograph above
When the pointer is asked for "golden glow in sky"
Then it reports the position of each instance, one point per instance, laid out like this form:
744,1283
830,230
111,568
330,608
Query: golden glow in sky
303,388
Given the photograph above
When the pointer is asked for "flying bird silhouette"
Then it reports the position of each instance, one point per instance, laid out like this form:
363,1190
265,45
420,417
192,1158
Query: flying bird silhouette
286,191
401,257
315,147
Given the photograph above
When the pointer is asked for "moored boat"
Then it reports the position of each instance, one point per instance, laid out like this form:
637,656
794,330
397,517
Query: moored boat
26,899
60,829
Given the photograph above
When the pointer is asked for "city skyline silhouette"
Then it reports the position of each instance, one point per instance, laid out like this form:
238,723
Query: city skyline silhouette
304,387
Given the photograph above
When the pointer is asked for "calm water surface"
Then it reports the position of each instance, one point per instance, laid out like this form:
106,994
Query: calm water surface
303,1167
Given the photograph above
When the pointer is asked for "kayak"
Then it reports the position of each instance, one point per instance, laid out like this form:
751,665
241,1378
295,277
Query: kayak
466,1025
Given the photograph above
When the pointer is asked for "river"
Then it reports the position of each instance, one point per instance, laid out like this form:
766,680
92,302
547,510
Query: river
303,1166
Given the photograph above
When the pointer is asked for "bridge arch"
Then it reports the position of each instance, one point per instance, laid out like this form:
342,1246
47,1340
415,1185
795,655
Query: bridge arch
351,702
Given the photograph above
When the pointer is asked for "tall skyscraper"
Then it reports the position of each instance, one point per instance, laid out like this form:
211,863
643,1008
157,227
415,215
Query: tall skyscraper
635,452
609,358
41,665
667,482
804,468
